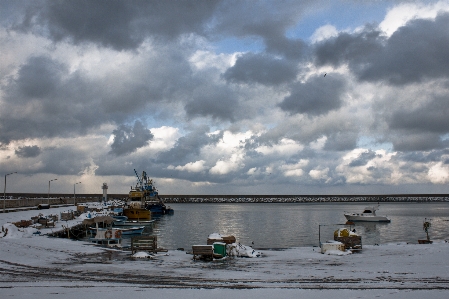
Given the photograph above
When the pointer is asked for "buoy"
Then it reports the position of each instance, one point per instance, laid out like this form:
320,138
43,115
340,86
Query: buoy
108,234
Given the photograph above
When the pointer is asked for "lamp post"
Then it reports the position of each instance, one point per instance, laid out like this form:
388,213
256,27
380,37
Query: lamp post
4,192
74,195
49,189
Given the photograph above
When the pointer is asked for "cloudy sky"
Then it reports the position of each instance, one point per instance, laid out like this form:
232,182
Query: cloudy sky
225,97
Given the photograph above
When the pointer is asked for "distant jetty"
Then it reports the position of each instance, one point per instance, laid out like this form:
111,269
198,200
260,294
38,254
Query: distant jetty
303,198
27,199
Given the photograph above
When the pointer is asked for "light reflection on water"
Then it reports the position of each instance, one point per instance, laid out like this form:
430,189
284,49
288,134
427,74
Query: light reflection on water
281,225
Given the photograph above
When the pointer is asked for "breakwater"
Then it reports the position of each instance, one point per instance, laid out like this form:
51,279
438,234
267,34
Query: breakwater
12,202
303,198
27,200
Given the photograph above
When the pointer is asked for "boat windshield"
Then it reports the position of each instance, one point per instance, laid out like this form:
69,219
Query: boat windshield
367,212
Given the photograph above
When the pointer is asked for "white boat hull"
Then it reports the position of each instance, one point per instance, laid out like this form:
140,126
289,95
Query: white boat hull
366,218
133,223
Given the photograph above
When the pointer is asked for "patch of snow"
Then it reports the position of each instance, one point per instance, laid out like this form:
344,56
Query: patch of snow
239,250
338,252
141,254
10,231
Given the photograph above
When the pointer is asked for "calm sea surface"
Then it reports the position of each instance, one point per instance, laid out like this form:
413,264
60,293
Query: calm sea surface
281,225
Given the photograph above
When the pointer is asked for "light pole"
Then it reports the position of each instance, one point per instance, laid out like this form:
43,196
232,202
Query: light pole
74,196
4,192
49,189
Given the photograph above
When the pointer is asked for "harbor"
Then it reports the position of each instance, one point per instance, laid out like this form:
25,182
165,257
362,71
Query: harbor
373,244
221,149
312,246
65,263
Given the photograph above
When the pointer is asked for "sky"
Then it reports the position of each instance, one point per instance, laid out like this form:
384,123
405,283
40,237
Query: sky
225,97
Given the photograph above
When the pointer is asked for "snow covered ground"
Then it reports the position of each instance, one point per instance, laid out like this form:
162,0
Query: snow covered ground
34,266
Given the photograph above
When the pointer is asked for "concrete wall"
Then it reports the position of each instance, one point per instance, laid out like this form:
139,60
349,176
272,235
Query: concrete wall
32,202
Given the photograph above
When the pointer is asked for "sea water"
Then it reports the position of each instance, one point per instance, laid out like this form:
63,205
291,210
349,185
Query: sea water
287,225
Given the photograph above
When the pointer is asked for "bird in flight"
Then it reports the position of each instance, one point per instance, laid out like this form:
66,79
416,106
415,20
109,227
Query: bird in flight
325,74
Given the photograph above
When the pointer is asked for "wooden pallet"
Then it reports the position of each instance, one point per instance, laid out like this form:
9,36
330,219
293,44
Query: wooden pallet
144,243
203,251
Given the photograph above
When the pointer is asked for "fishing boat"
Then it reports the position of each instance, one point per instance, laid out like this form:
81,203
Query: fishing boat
133,222
119,218
368,215
135,230
108,237
117,232
144,200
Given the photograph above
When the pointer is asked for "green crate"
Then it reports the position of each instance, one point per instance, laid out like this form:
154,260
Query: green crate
220,248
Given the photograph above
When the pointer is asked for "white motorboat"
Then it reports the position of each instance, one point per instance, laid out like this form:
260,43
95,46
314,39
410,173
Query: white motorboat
368,215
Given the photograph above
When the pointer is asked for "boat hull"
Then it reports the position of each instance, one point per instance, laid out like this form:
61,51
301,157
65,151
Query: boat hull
135,230
134,223
362,218
137,214
132,230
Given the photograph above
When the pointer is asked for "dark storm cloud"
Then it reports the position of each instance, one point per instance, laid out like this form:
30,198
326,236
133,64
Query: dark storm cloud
218,106
45,100
128,139
260,68
267,20
356,49
317,96
421,156
341,141
187,146
63,161
289,48
121,25
28,151
379,173
430,117
39,77
416,141
422,127
416,51
363,159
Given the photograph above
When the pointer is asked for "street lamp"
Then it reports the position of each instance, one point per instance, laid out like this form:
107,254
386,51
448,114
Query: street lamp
74,196
49,189
4,192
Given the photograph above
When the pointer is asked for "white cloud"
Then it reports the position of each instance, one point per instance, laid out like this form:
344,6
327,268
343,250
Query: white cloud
285,147
164,138
399,15
234,163
323,32
205,59
319,143
231,141
294,169
252,171
319,174
438,173
381,162
197,166
294,172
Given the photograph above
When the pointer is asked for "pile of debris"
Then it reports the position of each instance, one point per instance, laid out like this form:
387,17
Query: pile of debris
219,246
